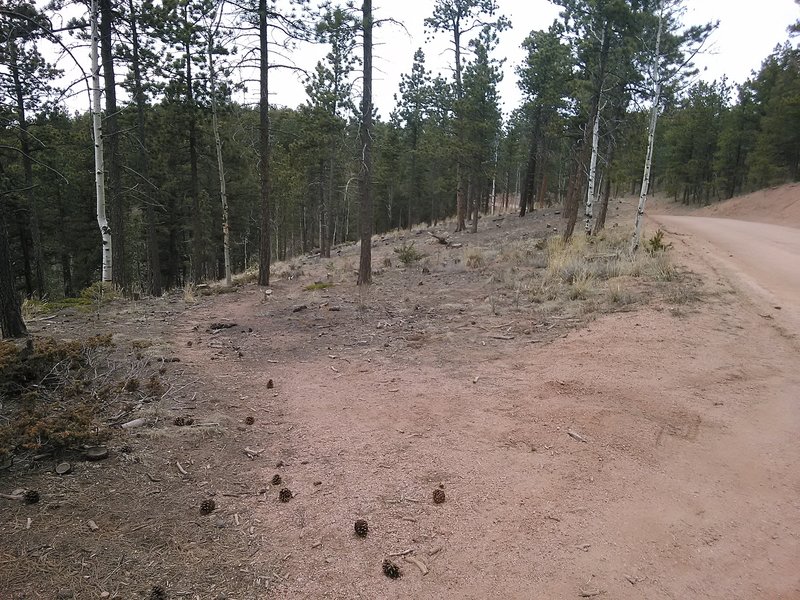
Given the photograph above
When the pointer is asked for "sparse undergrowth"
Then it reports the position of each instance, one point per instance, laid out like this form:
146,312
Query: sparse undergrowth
589,274
54,394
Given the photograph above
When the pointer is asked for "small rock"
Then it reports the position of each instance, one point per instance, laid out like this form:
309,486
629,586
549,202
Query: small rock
65,593
97,453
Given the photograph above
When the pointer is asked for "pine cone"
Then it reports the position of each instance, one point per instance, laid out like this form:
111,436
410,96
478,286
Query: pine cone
179,421
158,593
276,479
270,384
189,421
207,507
361,528
285,495
391,570
31,497
249,420
438,496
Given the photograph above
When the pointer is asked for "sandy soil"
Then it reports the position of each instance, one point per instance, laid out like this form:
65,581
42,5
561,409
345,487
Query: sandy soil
681,479
778,206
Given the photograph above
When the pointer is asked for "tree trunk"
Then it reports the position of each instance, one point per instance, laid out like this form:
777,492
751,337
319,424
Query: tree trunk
542,194
651,134
153,257
115,201
11,323
571,202
461,203
591,188
263,138
600,222
476,206
365,264
223,194
64,243
198,255
30,219
526,197
99,165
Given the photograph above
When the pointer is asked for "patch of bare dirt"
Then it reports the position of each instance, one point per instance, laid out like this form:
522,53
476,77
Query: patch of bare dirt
586,446
777,205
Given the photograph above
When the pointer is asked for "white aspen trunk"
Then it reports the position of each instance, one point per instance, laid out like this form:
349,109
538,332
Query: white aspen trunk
99,166
591,193
651,135
494,177
226,230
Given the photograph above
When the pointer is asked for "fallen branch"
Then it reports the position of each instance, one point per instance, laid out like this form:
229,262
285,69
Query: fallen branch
251,454
577,436
403,553
442,239
420,565
181,469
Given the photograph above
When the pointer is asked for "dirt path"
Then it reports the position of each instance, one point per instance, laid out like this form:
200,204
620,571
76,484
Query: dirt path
763,257
686,486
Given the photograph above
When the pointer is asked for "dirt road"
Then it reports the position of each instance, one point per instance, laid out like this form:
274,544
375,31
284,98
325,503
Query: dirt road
764,258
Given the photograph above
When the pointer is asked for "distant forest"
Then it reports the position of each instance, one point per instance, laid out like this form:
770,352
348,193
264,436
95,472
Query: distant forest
446,149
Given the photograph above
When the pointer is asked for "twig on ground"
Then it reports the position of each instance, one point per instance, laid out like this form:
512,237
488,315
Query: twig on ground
577,436
419,563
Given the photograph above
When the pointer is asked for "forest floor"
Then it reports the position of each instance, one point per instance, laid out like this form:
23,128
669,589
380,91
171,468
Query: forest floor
625,436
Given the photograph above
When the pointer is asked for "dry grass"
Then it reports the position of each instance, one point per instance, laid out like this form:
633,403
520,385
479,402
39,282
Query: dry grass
474,258
595,273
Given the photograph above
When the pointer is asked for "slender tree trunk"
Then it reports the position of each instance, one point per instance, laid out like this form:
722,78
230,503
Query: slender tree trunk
602,213
99,165
116,201
651,134
591,188
153,256
11,323
25,244
461,202
526,197
31,213
476,206
365,263
328,216
223,194
64,243
263,138
198,254
542,194
571,202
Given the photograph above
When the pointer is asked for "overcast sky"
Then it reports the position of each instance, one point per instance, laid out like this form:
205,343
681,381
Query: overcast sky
747,33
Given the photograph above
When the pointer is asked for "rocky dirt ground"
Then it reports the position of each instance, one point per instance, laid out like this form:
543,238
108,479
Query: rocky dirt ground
626,438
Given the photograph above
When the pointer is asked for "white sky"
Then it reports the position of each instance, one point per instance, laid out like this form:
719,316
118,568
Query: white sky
748,32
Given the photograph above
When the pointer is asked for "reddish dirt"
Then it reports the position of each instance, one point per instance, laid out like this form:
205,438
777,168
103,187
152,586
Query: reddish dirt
778,206
682,479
